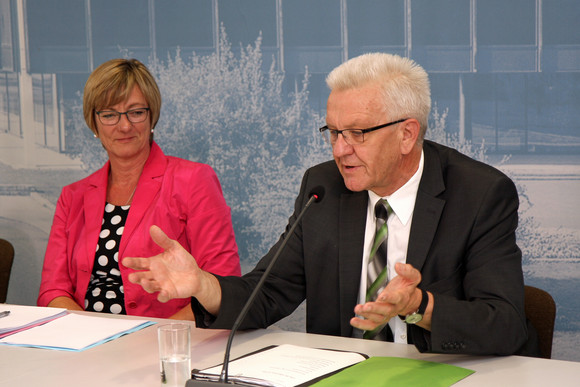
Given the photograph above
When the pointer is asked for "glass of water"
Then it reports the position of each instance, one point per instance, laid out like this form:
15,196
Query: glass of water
174,354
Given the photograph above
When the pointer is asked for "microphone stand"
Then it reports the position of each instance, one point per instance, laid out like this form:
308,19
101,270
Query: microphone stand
223,380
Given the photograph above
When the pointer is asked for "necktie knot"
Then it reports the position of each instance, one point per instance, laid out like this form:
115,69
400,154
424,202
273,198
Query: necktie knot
383,210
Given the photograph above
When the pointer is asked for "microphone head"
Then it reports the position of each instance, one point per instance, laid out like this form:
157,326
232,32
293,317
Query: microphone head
317,192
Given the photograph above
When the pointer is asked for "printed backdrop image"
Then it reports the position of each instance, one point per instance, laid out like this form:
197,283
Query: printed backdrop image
243,88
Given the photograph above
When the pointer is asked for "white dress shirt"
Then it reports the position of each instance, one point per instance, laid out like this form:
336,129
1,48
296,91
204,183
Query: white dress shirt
402,202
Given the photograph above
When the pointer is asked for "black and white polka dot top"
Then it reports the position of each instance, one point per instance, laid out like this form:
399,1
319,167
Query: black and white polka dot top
105,292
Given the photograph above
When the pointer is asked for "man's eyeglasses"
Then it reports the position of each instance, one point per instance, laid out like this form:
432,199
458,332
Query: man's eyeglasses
112,117
352,136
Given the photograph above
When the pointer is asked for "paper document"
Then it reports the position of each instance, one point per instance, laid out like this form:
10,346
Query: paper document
74,332
285,365
24,317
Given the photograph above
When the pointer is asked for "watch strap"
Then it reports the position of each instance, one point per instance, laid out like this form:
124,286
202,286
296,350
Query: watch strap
424,302
417,316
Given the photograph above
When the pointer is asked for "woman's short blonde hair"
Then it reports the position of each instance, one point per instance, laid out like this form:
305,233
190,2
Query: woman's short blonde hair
112,82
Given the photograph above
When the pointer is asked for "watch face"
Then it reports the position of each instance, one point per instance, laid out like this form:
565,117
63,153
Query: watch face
413,318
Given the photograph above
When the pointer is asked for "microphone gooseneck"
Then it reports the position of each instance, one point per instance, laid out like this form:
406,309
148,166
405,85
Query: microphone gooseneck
315,195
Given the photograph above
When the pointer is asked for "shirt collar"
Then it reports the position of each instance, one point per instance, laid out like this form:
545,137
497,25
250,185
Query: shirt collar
402,201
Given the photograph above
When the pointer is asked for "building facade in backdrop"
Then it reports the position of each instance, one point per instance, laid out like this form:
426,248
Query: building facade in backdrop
505,75
508,71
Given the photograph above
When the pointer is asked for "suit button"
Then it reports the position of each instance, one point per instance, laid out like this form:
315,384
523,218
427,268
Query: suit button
132,305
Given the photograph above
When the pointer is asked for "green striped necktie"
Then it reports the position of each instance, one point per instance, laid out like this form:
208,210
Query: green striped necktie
377,272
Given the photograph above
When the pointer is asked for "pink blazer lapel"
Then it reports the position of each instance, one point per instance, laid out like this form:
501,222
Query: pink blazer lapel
148,188
93,207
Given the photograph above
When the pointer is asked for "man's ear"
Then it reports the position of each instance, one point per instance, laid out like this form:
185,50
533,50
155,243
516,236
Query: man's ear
410,134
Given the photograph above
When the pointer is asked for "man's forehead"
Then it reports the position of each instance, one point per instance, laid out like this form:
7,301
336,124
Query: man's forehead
354,105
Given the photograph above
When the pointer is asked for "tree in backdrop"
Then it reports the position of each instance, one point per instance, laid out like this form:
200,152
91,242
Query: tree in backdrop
224,110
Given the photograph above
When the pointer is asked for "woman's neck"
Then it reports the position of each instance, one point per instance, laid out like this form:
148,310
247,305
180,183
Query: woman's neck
123,178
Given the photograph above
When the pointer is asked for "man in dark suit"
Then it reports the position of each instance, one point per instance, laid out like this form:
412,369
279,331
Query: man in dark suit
453,277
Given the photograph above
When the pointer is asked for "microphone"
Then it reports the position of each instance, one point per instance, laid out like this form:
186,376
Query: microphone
316,195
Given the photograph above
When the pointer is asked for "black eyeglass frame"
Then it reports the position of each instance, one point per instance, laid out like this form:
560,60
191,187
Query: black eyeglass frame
119,114
362,131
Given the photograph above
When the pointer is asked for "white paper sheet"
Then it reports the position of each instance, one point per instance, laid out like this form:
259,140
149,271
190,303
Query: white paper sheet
22,316
74,332
287,365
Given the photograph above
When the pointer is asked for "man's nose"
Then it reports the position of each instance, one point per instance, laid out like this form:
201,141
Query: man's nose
341,147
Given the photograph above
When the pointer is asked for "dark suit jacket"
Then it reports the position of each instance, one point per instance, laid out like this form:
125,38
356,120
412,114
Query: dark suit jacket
462,240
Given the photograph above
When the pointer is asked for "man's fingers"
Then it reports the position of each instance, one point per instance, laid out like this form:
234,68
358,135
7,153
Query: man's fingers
408,272
160,238
359,323
365,325
374,311
136,263
150,286
389,297
375,318
163,296
134,278
391,300
145,280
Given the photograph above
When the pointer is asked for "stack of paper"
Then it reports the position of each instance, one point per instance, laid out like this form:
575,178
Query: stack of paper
25,317
290,366
65,331
285,365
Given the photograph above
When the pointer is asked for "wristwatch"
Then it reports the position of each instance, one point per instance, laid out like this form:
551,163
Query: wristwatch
417,316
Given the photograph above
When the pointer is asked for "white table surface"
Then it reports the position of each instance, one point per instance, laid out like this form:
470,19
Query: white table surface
132,360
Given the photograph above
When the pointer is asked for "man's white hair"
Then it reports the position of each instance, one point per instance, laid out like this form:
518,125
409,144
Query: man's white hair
403,83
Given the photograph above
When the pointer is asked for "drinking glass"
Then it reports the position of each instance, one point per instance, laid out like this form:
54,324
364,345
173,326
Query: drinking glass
174,354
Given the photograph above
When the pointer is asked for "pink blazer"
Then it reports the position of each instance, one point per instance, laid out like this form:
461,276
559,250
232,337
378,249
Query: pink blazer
182,197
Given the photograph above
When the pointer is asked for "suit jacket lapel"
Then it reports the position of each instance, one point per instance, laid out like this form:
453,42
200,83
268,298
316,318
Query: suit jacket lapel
353,209
428,208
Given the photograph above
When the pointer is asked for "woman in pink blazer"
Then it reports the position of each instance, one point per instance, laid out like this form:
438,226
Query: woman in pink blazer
107,216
